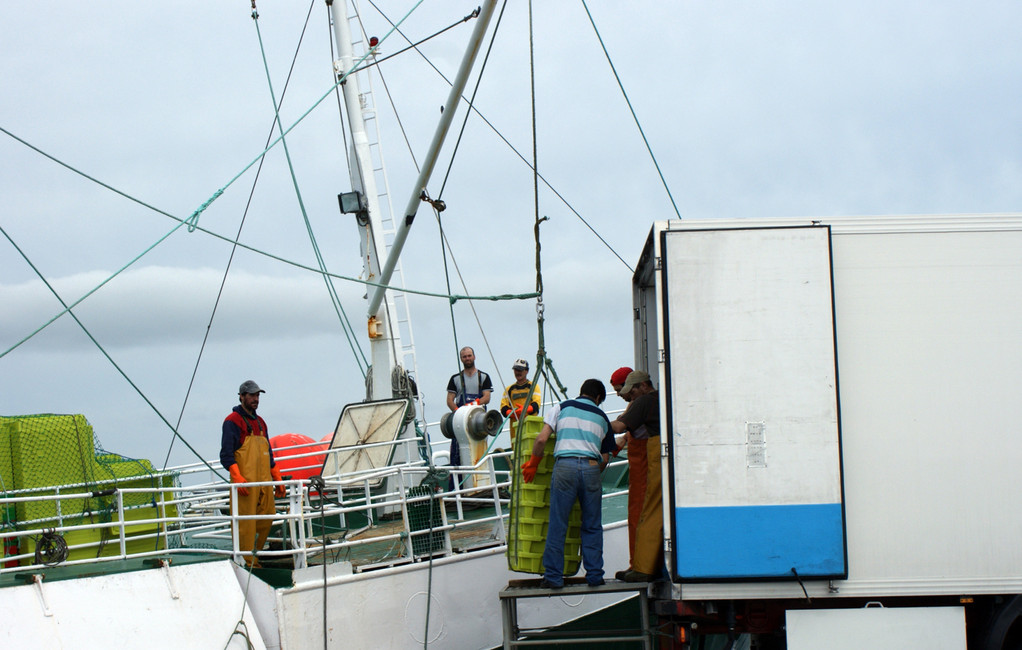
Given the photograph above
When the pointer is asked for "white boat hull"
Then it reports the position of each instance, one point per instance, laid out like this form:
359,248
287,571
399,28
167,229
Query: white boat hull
387,608
189,606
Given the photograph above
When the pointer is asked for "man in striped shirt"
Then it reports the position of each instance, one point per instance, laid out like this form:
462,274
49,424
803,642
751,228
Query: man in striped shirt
583,444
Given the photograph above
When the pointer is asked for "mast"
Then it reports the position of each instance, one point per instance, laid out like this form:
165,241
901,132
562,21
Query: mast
384,338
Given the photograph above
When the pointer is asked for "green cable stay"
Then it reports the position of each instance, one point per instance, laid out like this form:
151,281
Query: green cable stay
67,309
192,223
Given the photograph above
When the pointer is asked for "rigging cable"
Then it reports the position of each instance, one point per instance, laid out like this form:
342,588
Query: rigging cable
192,223
67,309
445,244
510,146
355,168
412,46
252,249
630,108
234,248
301,204
192,220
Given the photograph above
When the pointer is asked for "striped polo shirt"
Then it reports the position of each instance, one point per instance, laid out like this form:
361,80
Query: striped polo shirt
581,428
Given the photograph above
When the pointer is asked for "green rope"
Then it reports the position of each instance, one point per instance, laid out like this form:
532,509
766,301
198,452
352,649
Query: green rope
429,294
192,221
234,249
630,108
555,378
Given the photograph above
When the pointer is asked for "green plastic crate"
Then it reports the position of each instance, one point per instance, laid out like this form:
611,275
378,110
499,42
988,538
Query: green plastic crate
43,451
530,510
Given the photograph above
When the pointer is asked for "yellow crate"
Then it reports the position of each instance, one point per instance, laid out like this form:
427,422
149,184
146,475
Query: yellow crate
530,510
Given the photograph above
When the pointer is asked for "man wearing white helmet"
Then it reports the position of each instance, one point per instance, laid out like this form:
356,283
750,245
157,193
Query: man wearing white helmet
520,398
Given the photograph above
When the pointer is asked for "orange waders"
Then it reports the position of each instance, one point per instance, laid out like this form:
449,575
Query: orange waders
636,490
253,458
649,536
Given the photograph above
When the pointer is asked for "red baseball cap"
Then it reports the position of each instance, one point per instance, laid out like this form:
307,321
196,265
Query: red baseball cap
619,376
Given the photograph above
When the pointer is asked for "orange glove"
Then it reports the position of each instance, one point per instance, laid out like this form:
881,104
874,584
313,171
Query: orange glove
236,477
278,490
518,413
531,409
529,468
621,445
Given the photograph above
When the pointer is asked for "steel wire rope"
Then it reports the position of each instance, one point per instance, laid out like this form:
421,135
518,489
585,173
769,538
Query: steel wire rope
450,297
510,146
443,236
391,325
470,101
241,619
411,153
67,309
444,249
181,222
377,61
294,180
632,109
234,248
191,222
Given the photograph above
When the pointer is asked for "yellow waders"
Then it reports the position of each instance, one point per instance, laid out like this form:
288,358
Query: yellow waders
253,458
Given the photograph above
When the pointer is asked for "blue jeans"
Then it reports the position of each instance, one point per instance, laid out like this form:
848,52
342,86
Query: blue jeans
575,479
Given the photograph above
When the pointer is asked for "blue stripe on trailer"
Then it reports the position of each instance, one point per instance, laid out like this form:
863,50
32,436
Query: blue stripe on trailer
751,542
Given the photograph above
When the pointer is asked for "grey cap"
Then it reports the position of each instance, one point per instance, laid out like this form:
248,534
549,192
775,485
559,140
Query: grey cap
249,388
634,378
520,364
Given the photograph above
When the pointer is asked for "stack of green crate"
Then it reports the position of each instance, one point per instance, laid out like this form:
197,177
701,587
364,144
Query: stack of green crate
41,453
530,509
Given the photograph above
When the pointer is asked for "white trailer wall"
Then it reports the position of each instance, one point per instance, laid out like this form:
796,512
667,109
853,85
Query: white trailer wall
928,322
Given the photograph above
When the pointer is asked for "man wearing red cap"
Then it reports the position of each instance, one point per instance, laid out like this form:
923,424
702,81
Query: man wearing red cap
637,468
642,420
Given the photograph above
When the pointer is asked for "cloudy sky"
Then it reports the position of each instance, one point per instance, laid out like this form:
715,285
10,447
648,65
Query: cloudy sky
751,109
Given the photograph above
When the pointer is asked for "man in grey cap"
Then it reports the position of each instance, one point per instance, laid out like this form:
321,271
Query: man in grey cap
246,454
642,420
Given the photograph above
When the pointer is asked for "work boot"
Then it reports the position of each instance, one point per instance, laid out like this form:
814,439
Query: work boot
636,576
620,575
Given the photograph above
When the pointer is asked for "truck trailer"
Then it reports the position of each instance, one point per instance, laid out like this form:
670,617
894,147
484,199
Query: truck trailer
841,429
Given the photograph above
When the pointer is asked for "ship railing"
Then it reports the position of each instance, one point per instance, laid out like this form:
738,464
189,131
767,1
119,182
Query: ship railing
50,541
200,518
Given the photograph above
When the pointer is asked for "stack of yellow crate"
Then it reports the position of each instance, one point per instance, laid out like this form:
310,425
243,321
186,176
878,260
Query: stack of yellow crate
530,509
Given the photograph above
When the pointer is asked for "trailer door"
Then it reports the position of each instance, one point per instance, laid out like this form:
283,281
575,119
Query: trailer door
752,404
